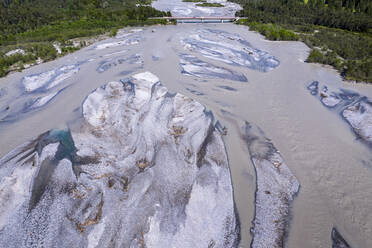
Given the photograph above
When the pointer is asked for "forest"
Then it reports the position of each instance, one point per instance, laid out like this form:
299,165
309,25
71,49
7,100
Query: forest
339,32
35,25
352,15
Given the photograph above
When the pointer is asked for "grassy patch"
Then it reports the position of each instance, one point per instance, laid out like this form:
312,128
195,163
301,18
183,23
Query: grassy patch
38,43
33,52
339,33
348,52
270,31
325,57
216,5
70,26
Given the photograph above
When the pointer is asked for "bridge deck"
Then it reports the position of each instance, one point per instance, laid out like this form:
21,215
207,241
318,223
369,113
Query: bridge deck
199,18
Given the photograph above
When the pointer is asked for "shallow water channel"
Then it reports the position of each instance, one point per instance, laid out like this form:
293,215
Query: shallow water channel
240,77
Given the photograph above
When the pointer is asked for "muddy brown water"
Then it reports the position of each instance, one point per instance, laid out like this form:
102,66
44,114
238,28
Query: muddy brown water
334,168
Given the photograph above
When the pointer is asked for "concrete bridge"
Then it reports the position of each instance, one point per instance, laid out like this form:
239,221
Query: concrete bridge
200,19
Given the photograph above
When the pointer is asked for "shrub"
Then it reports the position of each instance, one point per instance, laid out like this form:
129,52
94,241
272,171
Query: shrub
316,56
113,32
272,31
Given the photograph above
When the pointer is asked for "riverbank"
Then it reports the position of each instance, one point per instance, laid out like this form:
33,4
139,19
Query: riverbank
328,47
339,37
25,43
245,81
316,144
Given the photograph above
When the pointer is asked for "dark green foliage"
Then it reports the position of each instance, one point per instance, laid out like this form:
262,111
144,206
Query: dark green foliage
359,70
271,31
328,58
45,51
113,32
210,5
348,52
348,45
338,32
316,56
20,15
315,12
34,24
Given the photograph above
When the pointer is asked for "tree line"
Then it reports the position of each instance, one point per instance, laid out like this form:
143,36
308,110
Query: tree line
17,16
339,32
353,15
36,25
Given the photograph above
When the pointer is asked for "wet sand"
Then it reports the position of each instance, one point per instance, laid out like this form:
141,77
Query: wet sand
333,167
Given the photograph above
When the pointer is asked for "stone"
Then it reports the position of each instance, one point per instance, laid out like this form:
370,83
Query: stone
144,168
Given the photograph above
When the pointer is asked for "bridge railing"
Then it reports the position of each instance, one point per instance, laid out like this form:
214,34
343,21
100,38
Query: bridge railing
199,18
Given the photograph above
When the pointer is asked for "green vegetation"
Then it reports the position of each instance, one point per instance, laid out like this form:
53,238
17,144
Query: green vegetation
349,52
35,25
210,5
33,52
339,32
352,15
270,31
194,1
